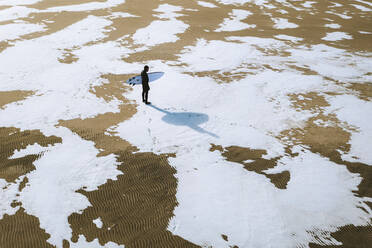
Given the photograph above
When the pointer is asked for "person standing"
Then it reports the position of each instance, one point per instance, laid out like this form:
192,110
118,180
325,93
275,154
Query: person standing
145,84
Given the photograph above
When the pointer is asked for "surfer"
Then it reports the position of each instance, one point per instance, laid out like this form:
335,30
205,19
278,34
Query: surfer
145,84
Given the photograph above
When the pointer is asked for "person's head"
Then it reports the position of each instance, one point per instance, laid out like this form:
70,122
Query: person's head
146,68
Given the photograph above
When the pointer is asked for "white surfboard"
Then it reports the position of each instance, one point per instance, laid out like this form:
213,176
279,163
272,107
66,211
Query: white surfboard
138,80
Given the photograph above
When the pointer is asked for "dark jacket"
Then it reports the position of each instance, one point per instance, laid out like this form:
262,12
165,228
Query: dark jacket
145,81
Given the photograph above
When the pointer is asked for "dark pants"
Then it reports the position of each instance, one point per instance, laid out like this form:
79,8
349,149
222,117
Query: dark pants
145,95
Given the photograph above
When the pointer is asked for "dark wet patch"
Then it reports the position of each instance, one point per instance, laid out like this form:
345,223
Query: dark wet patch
22,230
252,160
12,139
350,237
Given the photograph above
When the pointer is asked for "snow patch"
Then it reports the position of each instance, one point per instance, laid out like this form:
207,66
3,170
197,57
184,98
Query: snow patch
15,30
207,4
234,23
30,149
168,11
51,192
86,6
334,36
362,8
353,110
268,215
98,222
287,37
281,23
15,13
159,32
332,25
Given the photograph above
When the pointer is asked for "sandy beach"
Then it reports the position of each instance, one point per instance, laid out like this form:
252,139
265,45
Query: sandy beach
258,134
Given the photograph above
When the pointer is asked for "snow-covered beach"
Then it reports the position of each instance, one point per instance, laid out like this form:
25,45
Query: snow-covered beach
258,134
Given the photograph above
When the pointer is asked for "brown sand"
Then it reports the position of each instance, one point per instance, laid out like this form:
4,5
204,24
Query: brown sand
226,238
7,97
22,231
308,101
328,141
56,3
95,128
54,22
68,57
23,184
351,237
259,164
364,90
135,209
4,7
138,206
12,139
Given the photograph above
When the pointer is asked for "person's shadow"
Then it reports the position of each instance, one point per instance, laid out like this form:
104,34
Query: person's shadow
190,119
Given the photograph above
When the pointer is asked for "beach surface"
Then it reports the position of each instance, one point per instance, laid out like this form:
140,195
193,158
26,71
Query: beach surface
258,135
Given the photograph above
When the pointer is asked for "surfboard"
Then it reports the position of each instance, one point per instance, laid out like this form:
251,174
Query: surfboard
138,80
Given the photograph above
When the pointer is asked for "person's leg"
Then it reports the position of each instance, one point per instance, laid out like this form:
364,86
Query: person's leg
143,95
146,95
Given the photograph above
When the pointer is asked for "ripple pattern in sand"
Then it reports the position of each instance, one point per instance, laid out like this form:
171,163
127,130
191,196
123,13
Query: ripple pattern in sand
136,208
22,230
12,139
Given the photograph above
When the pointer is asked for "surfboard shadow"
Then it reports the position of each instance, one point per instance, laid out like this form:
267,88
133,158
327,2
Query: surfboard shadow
190,119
